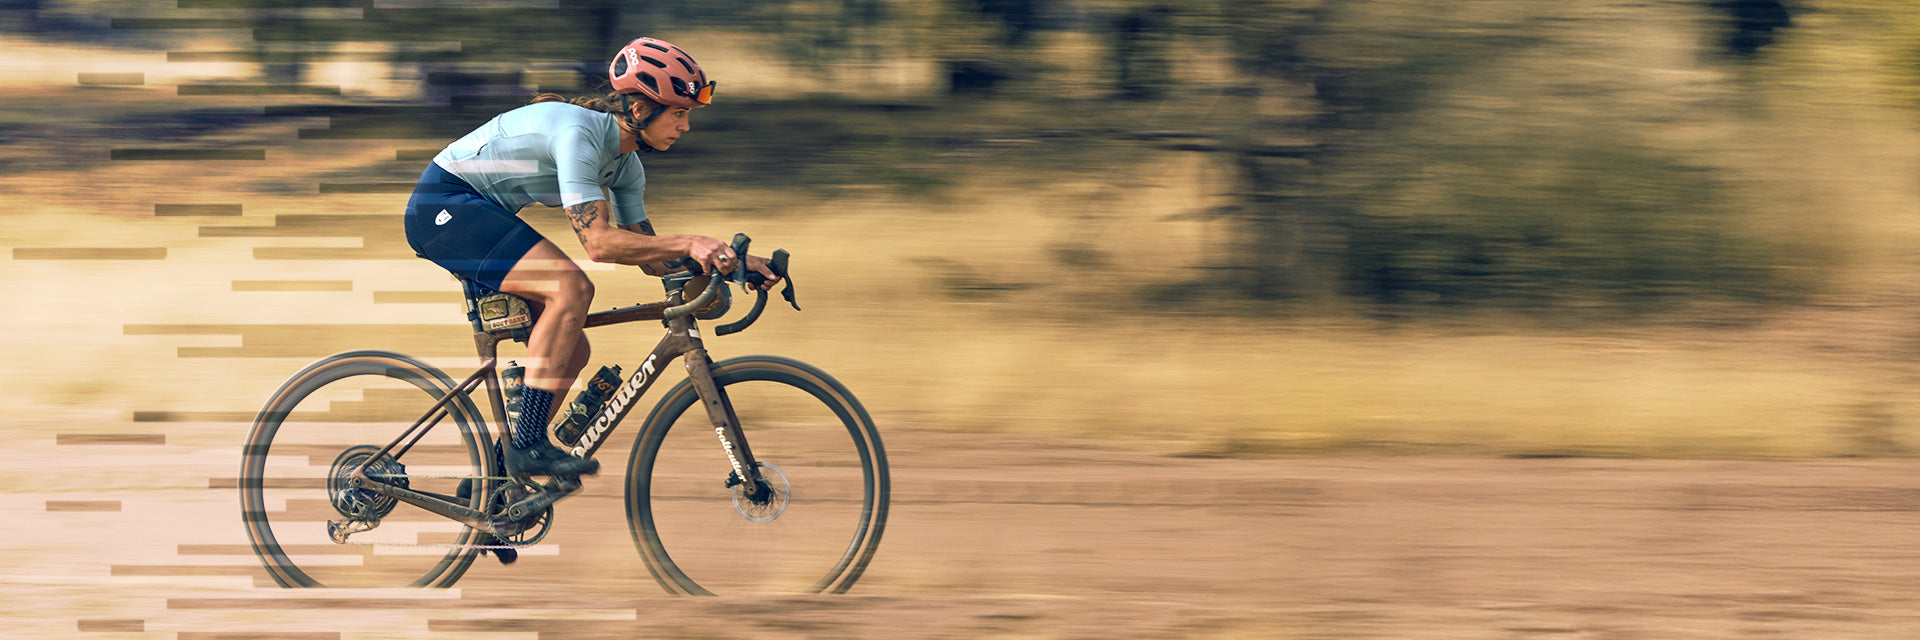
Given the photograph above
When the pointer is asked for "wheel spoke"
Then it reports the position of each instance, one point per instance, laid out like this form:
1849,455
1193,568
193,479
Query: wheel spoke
810,527
329,420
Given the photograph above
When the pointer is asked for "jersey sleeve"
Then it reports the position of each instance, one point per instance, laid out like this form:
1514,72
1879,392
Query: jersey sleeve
576,165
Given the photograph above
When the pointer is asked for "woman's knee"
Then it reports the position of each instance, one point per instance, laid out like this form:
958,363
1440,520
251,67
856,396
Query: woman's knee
577,289
582,352
570,296
546,276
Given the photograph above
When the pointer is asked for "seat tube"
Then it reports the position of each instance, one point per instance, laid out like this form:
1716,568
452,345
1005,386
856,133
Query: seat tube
487,346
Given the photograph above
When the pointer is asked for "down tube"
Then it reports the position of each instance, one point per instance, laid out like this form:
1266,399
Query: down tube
672,346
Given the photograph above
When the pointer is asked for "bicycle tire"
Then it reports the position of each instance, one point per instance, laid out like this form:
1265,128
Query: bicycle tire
770,395
363,392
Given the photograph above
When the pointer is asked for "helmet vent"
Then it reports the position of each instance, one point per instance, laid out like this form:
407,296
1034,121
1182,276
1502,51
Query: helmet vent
683,62
620,66
654,62
652,85
656,46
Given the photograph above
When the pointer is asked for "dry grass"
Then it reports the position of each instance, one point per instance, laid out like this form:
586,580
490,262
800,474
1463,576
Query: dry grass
1045,349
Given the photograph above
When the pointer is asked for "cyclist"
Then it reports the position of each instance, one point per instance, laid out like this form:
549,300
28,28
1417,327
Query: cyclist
582,155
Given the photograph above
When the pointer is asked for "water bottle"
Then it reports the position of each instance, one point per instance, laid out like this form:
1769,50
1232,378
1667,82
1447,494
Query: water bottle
573,424
511,378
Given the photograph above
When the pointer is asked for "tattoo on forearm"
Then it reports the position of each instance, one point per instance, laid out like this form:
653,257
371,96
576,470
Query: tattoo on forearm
645,228
582,216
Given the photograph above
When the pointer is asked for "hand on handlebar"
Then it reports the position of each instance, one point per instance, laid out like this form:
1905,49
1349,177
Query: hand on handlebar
714,256
758,265
757,273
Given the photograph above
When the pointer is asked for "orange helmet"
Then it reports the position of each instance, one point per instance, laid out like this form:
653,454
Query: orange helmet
661,71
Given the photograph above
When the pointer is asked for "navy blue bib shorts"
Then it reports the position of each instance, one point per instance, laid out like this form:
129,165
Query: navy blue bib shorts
450,223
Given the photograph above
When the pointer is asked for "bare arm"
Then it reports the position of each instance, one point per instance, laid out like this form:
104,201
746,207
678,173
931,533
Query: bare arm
756,263
634,244
645,228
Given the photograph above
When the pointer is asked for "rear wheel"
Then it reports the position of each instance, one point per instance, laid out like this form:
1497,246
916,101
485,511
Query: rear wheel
811,525
334,416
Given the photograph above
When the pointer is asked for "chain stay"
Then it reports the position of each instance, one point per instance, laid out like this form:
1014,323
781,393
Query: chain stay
410,475
411,545
341,530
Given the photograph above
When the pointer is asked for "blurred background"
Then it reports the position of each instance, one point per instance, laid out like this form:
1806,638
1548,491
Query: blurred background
1215,228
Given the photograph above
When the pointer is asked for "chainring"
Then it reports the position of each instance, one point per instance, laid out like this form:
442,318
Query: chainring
517,533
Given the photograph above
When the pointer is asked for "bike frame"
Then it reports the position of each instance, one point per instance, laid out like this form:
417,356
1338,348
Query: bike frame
682,340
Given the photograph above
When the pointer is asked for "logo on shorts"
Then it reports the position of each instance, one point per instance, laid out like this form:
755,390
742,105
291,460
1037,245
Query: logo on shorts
442,218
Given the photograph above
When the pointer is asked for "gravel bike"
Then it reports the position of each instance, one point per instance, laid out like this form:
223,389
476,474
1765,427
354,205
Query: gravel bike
778,483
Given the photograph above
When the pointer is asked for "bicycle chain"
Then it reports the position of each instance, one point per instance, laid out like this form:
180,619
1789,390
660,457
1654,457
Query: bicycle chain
416,545
409,475
419,545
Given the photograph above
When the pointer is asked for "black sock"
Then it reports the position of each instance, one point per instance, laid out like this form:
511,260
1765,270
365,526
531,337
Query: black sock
531,429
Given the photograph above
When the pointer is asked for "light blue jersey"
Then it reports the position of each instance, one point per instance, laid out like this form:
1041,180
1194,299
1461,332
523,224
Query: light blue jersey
553,153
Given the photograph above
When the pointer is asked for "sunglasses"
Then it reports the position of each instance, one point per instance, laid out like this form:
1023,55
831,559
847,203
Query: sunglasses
702,94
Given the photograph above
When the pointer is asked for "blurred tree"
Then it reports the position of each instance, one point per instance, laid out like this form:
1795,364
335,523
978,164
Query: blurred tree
1291,248
1846,55
1417,153
25,14
825,39
983,42
1360,65
602,33
1018,19
1750,24
1474,221
1141,38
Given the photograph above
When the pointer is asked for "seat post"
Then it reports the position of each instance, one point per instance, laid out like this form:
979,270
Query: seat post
473,291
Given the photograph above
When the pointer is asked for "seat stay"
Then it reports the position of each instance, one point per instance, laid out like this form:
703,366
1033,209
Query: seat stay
357,478
432,416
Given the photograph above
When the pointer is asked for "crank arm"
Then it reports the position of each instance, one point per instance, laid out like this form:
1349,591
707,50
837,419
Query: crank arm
553,491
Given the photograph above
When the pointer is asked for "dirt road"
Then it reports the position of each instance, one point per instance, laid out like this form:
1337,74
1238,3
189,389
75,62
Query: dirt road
998,536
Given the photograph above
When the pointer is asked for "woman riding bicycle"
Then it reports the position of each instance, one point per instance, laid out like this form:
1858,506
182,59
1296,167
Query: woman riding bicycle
581,155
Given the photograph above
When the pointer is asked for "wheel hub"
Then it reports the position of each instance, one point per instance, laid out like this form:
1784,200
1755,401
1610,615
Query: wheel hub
766,501
359,504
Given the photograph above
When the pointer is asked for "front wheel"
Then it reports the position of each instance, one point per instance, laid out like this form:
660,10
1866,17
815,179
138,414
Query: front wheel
811,525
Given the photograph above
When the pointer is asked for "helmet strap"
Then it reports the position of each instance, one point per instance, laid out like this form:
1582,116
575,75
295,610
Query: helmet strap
642,125
649,119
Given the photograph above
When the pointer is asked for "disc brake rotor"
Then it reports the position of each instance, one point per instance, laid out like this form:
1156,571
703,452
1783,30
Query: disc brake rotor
767,501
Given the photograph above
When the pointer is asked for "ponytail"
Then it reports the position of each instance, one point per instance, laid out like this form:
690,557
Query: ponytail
614,102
